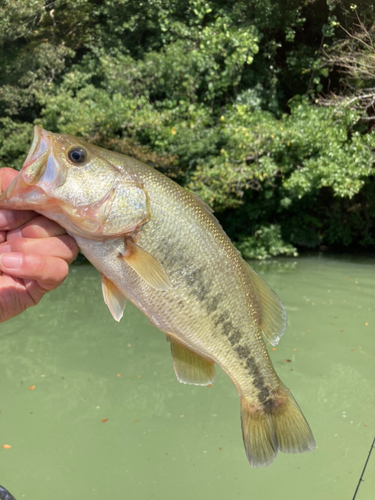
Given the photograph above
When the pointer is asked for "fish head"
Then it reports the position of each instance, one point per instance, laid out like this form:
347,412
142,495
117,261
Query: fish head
78,185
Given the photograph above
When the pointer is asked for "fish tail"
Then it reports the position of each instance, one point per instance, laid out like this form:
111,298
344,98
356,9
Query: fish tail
277,425
293,433
259,436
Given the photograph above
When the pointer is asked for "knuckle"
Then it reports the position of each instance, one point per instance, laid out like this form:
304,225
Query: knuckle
71,246
57,272
38,262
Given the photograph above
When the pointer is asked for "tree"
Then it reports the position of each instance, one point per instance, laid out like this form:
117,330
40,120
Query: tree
222,95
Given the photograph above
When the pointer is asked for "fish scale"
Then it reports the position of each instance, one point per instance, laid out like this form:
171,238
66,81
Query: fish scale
160,246
209,235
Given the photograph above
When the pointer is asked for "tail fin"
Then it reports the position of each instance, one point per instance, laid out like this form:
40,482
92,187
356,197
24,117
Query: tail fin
281,427
259,437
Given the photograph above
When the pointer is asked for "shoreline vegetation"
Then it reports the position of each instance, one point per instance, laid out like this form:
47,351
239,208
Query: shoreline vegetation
265,109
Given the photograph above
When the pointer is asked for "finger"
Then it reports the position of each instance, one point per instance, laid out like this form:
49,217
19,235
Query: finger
38,227
3,236
11,219
48,271
63,247
14,297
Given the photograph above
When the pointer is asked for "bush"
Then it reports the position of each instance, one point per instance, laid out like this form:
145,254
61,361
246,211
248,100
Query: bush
222,95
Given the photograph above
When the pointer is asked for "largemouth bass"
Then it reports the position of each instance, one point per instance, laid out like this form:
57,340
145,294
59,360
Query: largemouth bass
160,246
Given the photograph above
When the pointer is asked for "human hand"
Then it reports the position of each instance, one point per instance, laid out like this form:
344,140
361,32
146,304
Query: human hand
34,256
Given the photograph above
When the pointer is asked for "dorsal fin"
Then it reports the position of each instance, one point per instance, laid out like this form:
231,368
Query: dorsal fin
189,367
146,266
273,315
209,211
203,203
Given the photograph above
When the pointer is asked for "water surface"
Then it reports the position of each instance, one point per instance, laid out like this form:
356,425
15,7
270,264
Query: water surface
107,418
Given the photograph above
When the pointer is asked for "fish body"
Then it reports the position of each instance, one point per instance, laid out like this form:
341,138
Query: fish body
160,246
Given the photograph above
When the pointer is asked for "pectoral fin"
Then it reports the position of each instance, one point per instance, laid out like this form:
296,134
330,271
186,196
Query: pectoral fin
114,299
146,266
273,315
189,367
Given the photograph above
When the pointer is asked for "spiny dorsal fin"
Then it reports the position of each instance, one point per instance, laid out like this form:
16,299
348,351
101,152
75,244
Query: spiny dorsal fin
114,299
203,203
209,211
146,266
273,315
189,367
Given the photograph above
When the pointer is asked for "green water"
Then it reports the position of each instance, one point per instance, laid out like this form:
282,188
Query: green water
165,440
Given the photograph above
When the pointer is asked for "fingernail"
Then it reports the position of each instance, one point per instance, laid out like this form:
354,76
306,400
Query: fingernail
15,233
11,260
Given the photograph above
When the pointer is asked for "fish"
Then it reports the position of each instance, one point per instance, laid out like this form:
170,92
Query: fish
160,246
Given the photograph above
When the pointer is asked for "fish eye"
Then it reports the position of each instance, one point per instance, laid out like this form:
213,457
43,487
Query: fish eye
77,155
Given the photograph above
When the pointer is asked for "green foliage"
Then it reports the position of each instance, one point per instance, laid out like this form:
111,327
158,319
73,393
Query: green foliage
309,149
221,95
267,242
14,142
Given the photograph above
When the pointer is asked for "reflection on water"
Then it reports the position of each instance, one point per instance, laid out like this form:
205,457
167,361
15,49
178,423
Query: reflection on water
92,409
274,266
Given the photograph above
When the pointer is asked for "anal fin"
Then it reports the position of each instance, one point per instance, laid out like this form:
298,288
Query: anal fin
114,299
189,367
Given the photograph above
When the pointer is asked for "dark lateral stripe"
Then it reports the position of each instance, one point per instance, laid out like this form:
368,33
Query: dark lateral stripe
234,335
243,353
201,288
213,303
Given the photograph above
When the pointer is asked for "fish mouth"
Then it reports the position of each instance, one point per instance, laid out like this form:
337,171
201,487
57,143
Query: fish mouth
17,194
36,161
